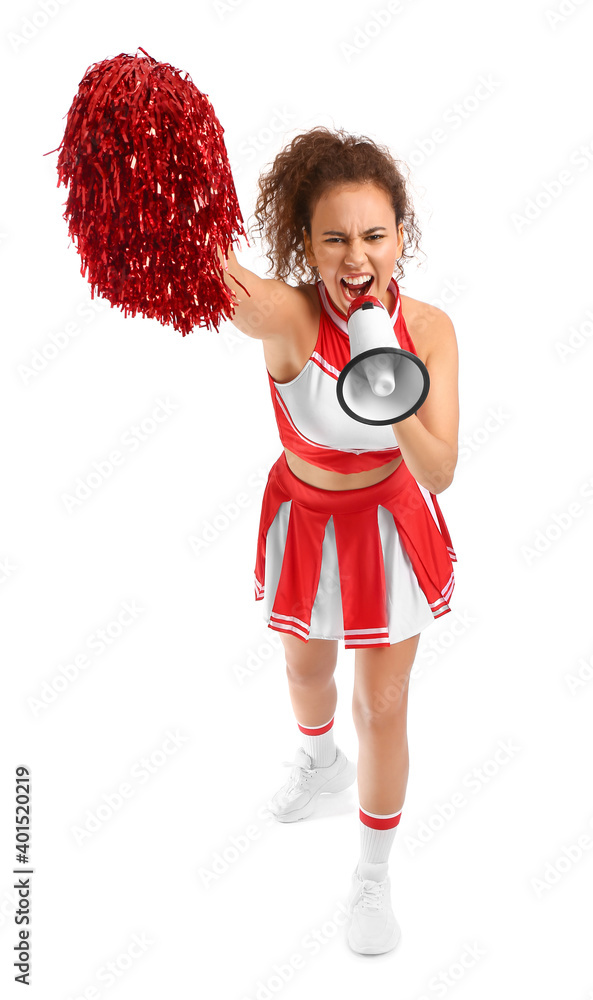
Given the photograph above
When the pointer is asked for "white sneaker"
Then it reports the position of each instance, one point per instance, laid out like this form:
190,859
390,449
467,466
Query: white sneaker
374,929
298,797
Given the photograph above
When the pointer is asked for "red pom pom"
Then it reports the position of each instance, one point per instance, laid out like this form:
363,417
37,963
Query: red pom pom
151,193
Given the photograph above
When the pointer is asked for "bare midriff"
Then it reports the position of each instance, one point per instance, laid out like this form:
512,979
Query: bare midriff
325,479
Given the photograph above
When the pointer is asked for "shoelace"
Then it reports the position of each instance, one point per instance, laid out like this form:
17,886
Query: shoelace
371,894
301,771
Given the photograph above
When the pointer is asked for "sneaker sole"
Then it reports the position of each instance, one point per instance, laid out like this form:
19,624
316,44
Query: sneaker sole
377,950
337,784
370,950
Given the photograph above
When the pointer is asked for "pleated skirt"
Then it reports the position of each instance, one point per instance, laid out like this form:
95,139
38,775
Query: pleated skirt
371,566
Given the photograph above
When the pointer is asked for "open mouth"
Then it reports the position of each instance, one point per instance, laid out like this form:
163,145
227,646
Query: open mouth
352,291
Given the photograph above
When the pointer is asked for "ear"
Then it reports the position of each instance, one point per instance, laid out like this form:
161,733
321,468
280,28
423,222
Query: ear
310,256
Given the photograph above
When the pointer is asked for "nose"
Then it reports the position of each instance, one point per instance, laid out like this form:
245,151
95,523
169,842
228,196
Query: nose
355,255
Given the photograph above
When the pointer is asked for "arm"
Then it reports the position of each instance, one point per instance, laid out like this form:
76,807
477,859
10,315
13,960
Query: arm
428,439
268,308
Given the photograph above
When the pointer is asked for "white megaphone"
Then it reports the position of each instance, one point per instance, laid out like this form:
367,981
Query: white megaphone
382,383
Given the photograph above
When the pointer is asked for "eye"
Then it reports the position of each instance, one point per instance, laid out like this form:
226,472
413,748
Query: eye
375,236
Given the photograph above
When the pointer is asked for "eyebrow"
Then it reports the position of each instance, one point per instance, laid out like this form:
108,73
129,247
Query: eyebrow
335,232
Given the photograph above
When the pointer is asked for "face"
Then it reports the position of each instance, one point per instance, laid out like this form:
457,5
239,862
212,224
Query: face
353,234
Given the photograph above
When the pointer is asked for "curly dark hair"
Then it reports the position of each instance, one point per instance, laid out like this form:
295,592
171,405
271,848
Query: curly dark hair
311,164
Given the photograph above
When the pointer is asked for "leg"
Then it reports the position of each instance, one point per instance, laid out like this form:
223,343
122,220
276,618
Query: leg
310,672
319,766
379,710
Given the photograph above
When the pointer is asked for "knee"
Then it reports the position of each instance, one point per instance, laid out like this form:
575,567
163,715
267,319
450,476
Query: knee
309,663
307,675
381,708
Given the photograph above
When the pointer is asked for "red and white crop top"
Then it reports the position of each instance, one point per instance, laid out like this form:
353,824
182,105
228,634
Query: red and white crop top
311,422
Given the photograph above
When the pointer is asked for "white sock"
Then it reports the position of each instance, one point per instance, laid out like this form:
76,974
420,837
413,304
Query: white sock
318,742
377,833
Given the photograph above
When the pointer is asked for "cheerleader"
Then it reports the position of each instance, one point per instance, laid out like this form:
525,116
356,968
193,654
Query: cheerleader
352,543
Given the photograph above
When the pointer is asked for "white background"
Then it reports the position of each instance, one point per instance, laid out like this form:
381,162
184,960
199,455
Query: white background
514,244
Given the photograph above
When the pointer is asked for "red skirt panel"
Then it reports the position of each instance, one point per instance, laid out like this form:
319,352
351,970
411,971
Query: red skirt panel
422,531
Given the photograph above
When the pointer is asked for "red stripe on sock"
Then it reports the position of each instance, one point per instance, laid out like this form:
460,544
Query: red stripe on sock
379,822
315,732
